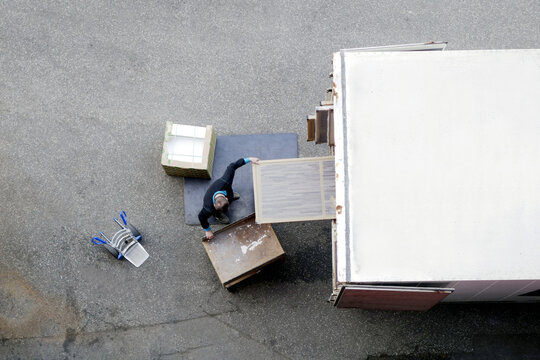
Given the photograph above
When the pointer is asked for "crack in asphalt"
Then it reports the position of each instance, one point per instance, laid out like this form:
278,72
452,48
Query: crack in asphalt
72,334
115,328
244,335
189,350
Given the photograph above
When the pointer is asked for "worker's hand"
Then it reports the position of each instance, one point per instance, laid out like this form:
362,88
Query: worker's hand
209,235
254,160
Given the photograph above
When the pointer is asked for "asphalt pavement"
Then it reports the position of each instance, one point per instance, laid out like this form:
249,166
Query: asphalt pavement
85,90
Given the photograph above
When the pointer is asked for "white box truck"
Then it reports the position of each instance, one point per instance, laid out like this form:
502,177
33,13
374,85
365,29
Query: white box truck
437,160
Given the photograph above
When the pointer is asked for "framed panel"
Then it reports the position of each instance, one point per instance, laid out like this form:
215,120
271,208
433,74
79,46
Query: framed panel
294,190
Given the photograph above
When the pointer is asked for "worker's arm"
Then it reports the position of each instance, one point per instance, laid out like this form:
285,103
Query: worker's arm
203,219
228,176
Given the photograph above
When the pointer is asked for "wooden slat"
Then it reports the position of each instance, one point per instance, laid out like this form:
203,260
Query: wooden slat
321,126
331,141
310,128
294,190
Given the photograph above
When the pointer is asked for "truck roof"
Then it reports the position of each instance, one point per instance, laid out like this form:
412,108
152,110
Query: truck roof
438,165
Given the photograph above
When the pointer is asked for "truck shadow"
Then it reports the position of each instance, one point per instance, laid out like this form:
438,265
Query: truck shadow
308,249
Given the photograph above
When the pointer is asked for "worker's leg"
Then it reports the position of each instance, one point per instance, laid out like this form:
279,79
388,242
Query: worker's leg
222,218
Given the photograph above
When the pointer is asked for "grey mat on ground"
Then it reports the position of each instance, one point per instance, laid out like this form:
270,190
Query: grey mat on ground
229,149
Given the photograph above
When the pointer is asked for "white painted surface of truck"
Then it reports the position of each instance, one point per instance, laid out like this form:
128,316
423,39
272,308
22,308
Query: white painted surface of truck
438,170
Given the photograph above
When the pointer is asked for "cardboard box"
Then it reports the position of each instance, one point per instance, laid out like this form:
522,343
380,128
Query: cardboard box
188,151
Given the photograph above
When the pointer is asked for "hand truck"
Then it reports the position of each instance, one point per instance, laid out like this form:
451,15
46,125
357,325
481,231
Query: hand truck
124,243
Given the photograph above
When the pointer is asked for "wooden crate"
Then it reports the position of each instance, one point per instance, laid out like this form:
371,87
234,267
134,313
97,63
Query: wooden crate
242,249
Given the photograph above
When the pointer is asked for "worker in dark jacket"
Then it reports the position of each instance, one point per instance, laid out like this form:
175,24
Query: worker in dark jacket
219,195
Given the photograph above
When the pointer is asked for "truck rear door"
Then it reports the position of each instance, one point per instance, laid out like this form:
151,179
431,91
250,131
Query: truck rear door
390,297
